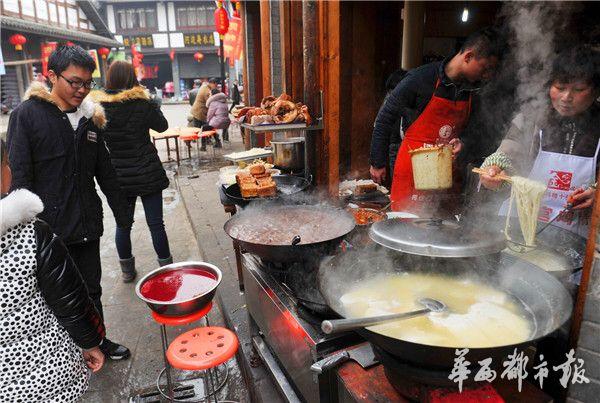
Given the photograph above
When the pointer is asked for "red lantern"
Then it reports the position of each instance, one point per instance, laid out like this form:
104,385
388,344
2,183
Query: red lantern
172,55
69,43
221,19
236,8
104,52
18,41
198,56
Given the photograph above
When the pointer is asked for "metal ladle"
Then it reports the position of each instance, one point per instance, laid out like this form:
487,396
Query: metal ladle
341,325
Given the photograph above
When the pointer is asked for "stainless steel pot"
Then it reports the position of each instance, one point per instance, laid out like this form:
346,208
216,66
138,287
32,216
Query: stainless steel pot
180,308
289,153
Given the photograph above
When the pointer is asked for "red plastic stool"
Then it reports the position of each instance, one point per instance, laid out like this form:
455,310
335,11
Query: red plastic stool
165,321
187,139
204,348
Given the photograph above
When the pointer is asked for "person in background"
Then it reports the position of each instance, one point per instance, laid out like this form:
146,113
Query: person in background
49,328
194,91
236,98
218,115
56,150
199,109
560,145
434,102
131,114
396,134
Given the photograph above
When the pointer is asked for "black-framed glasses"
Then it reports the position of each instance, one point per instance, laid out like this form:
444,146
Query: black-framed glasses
79,84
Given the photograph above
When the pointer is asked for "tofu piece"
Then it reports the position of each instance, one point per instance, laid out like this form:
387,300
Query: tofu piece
267,191
249,190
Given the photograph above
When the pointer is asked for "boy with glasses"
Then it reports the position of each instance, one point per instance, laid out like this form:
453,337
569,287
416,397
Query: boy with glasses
56,150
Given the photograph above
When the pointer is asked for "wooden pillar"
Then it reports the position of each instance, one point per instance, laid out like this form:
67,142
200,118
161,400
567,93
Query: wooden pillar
286,39
412,34
265,42
296,49
311,78
329,146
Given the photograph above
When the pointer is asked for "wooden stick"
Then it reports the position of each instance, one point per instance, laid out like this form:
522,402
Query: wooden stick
484,172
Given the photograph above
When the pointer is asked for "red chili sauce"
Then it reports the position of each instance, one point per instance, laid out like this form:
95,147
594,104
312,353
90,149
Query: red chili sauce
178,285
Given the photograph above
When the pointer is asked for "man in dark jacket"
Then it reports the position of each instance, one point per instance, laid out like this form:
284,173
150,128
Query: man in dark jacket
441,85
56,150
194,91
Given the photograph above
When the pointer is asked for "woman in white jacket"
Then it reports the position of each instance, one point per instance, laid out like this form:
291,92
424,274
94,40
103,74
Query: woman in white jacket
50,331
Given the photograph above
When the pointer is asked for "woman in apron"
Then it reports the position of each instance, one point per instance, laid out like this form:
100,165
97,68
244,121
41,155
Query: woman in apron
560,148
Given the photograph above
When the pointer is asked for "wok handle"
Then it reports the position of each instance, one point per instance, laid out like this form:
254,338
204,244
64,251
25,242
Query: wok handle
330,362
341,325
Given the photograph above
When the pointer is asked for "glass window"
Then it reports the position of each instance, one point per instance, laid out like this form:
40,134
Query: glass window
141,17
191,13
151,18
181,17
122,19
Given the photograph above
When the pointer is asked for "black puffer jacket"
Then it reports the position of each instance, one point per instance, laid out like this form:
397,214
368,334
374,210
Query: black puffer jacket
130,115
59,165
408,100
46,314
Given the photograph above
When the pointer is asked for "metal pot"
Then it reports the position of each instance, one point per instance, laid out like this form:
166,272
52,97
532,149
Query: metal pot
548,302
289,153
180,308
253,227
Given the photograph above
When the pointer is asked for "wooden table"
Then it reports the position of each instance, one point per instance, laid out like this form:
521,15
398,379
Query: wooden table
173,133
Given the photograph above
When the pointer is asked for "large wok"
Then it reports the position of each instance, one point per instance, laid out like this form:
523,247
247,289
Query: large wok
543,295
289,233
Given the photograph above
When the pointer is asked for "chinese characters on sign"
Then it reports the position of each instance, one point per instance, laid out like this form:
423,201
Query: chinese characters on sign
515,368
144,41
205,39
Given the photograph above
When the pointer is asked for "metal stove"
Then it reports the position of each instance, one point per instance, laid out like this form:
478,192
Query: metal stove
286,333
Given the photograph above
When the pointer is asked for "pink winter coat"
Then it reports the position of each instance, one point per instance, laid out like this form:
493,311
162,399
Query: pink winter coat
218,113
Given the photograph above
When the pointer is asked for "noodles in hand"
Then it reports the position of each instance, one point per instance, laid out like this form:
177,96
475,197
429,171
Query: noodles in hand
527,195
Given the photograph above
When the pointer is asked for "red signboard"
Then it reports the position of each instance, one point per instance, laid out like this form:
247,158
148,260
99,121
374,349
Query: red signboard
47,49
233,42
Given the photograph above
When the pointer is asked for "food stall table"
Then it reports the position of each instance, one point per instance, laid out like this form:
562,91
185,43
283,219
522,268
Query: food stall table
171,133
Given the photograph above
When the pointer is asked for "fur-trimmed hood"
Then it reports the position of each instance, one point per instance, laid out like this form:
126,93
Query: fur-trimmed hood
91,109
219,97
20,206
137,92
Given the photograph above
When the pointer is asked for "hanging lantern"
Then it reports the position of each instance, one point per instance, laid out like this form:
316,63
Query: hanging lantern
104,52
198,56
172,55
221,19
237,5
18,41
69,43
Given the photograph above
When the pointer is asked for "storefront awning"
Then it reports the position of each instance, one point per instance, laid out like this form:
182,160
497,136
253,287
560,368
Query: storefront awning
19,25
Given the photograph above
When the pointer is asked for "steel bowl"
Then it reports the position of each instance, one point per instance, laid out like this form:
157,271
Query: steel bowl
180,308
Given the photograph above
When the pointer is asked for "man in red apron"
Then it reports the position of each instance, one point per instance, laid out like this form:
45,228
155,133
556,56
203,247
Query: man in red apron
434,102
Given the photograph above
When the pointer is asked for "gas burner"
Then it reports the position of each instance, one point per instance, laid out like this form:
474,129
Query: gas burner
414,382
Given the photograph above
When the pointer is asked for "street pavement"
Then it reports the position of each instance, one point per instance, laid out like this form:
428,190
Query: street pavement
128,319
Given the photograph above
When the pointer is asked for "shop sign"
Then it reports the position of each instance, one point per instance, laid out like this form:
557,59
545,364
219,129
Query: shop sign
233,40
47,49
144,41
94,54
192,40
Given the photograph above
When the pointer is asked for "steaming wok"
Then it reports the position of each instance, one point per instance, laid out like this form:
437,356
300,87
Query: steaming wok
548,301
289,233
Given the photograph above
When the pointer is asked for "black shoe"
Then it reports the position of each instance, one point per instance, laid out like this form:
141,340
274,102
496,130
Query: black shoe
218,145
203,148
114,351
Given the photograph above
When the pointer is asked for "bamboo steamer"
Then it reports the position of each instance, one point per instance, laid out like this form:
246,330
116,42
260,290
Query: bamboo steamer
432,167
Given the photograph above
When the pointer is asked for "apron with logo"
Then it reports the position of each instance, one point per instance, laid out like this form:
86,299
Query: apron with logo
441,121
562,173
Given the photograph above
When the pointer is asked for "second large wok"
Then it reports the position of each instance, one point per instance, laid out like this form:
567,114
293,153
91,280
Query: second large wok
289,233
548,301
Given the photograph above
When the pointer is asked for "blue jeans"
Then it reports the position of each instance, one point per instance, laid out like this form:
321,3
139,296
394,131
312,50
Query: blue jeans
153,209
